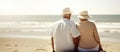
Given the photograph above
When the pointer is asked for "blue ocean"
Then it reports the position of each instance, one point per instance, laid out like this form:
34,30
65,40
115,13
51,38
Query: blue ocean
39,26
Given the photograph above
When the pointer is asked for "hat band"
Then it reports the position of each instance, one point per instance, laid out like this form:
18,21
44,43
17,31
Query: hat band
84,15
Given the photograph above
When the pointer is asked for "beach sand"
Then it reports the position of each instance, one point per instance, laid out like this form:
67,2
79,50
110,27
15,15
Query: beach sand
24,45
41,45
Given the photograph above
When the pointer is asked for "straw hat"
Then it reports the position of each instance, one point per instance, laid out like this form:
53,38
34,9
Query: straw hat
67,11
84,15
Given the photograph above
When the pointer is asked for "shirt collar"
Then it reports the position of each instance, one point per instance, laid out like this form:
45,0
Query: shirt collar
65,19
83,21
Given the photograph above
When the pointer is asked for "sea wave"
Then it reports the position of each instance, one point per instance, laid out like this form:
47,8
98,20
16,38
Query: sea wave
46,26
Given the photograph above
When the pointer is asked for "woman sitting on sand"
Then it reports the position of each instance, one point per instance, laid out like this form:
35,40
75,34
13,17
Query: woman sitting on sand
89,39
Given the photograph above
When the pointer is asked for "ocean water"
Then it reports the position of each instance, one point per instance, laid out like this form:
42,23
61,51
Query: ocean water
40,25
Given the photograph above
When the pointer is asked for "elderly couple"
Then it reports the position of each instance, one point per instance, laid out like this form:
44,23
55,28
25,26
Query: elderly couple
66,36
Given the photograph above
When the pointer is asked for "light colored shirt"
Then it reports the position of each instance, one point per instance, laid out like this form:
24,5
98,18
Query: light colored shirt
89,35
63,33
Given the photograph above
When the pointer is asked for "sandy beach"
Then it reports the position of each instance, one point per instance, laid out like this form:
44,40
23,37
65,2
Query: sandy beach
24,45
41,45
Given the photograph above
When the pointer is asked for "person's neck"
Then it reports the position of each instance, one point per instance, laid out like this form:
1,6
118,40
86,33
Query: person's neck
66,18
83,20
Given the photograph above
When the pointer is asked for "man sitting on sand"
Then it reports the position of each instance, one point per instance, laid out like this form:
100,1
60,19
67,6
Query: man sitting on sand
64,34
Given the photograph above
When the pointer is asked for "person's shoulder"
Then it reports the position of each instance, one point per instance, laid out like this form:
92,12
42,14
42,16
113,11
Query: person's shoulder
72,22
92,23
58,22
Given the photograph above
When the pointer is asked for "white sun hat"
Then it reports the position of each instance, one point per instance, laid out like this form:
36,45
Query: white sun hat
84,15
67,11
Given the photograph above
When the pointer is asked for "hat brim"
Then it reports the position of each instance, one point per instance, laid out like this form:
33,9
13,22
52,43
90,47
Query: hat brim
67,12
84,17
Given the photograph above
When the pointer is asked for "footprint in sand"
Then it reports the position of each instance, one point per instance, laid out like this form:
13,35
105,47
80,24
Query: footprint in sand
40,50
7,45
16,45
15,50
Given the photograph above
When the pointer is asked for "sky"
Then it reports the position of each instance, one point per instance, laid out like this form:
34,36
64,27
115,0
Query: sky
55,7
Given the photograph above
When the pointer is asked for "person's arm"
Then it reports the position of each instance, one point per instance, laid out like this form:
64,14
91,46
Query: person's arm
75,35
97,38
52,38
76,43
52,41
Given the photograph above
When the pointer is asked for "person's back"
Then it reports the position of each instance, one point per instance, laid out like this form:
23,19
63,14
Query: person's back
64,33
87,38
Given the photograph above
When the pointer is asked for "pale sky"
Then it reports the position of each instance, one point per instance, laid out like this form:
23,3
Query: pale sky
51,7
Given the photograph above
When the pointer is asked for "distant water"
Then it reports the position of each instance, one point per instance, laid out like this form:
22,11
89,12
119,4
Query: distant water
40,25
53,18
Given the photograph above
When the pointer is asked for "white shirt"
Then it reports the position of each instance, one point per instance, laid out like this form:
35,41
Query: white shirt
63,33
